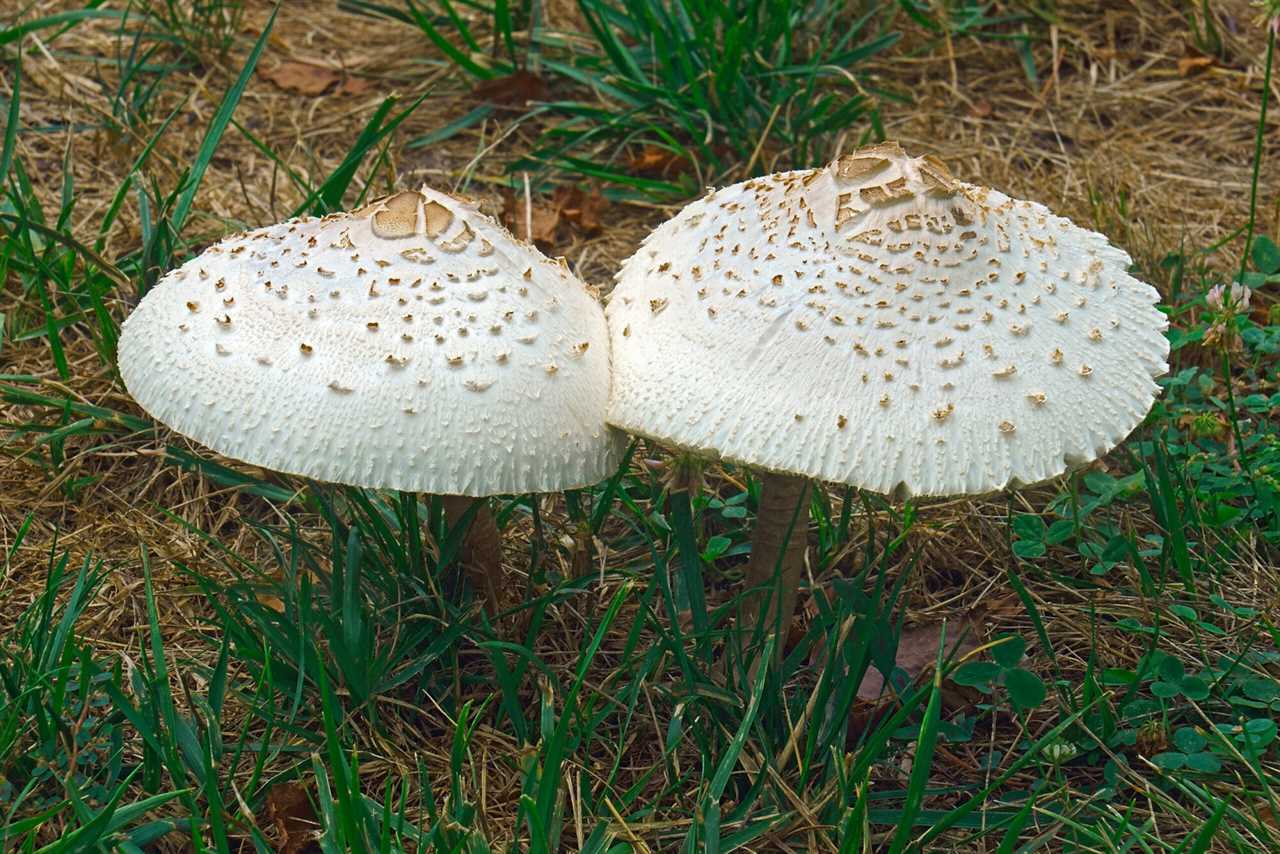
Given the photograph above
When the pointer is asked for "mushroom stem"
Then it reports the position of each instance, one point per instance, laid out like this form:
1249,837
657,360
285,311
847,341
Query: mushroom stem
777,556
481,552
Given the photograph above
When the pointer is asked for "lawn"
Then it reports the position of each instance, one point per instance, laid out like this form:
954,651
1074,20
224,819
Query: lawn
197,654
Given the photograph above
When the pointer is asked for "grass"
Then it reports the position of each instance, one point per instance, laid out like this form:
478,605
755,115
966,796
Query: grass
663,99
227,660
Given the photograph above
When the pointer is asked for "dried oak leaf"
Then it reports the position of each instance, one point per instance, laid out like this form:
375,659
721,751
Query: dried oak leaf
354,86
1194,64
982,109
292,817
652,161
275,603
544,218
917,650
581,209
512,90
302,78
305,78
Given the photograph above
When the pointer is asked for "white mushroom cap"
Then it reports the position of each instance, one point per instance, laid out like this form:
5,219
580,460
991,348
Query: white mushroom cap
413,344
877,323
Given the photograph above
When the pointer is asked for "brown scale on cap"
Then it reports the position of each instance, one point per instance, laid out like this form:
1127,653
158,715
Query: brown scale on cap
406,214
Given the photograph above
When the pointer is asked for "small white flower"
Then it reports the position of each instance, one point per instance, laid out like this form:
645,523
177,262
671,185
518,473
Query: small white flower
1240,295
1058,752
1213,299
1220,298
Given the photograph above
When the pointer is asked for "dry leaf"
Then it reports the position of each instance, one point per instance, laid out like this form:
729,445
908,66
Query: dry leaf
545,218
275,603
304,78
571,205
1268,815
581,209
982,109
513,90
918,649
655,162
1189,65
354,86
995,606
291,816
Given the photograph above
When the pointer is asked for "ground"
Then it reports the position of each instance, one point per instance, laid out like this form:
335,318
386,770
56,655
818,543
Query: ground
1148,610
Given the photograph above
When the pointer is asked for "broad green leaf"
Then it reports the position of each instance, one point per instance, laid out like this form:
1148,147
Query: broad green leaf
1026,689
1263,690
1188,740
1029,526
1266,255
978,674
1028,548
1195,688
1171,761
1204,762
1171,670
1009,651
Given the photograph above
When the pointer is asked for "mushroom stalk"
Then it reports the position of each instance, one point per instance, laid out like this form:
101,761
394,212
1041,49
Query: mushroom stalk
481,553
777,555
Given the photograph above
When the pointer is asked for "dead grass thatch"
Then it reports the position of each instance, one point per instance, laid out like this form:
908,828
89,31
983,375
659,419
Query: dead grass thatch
1121,133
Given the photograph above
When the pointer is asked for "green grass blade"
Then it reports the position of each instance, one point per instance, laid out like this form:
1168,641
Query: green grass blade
11,123
18,31
922,764
213,136
690,565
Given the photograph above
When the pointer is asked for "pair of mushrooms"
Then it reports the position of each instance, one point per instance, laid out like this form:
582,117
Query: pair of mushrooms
874,322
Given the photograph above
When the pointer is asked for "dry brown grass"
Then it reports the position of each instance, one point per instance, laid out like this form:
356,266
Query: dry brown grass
1114,119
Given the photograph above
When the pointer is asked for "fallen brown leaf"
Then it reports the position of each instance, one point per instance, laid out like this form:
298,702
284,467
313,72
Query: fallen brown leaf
544,218
995,606
291,816
513,90
1190,65
918,650
580,208
275,603
1268,815
655,162
304,78
982,109
573,205
354,86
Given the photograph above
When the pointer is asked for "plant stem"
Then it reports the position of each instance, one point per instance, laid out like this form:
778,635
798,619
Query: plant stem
481,553
1234,417
1248,241
1257,152
777,556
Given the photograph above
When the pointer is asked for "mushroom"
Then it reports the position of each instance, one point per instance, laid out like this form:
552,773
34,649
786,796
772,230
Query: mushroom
878,323
412,344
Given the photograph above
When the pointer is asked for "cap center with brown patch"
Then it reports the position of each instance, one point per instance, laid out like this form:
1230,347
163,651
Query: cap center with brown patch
880,188
408,213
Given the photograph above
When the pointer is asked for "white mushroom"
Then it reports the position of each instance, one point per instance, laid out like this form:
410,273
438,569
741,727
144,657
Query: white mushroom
337,367
878,323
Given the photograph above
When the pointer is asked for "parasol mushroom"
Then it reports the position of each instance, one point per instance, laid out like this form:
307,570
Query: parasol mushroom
878,323
412,344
